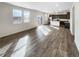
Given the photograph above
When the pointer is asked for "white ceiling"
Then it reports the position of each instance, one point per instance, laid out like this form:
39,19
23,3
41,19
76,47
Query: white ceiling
48,7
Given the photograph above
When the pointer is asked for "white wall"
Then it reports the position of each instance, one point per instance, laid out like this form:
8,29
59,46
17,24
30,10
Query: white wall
76,15
72,23
6,25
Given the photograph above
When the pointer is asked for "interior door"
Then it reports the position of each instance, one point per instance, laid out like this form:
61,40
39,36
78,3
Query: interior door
39,20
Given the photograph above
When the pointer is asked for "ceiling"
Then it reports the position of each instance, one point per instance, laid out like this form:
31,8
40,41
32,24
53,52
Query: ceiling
48,7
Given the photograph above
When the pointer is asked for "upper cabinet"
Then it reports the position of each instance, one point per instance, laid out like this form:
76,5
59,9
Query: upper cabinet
61,16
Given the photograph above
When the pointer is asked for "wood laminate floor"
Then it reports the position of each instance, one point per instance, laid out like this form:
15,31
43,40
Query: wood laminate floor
43,41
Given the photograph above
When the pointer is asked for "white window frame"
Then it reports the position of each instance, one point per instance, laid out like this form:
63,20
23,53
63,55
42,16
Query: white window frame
23,18
26,16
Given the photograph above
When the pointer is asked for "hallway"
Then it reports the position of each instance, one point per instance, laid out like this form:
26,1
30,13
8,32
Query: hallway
43,41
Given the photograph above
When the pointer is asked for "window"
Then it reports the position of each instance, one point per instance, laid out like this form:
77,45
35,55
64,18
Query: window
17,16
26,16
20,16
17,13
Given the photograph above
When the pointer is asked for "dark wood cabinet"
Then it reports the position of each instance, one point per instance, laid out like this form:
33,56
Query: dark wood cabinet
65,24
61,16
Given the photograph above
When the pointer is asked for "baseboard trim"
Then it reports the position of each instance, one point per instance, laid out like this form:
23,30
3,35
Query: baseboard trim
17,32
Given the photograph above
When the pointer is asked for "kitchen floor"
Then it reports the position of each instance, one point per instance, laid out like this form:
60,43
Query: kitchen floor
43,41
